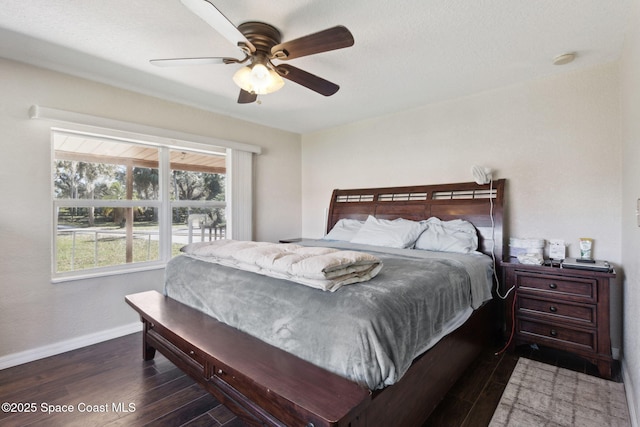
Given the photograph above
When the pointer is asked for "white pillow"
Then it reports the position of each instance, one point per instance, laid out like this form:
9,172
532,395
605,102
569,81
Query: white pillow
399,233
344,230
448,236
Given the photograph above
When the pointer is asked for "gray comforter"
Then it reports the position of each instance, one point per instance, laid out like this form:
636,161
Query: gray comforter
368,332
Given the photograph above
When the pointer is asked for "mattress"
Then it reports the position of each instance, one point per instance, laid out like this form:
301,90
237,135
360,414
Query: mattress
368,332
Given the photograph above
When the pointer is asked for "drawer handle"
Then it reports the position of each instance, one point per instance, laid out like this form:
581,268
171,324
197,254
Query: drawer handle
553,286
554,333
553,309
192,352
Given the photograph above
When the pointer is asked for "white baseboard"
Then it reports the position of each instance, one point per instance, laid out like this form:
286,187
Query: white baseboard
631,395
16,359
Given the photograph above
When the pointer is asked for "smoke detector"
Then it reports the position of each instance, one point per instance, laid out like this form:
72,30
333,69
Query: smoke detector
565,58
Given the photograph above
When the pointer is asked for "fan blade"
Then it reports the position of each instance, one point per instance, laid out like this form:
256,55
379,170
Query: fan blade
308,80
334,38
178,62
246,97
212,16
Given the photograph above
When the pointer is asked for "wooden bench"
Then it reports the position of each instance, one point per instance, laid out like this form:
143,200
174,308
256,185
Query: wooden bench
243,372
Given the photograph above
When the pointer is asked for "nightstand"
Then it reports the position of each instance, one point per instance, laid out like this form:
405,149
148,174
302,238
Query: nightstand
562,308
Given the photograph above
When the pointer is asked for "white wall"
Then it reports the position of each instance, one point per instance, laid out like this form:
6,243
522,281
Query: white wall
556,140
36,313
630,90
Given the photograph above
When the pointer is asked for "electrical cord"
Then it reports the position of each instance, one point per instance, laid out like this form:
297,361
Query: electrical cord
493,245
513,326
495,274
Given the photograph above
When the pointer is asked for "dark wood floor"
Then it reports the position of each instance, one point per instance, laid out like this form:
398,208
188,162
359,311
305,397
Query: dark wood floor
108,384
474,398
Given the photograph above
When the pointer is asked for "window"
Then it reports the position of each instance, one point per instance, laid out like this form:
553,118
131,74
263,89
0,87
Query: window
123,204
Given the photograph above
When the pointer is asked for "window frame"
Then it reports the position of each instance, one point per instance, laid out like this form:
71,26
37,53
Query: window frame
163,203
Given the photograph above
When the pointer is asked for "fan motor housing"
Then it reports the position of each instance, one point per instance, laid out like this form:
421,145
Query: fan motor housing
263,36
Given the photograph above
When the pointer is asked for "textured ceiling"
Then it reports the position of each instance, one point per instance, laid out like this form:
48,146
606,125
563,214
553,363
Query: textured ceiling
407,53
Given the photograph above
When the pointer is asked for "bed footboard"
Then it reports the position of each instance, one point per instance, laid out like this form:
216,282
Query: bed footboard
258,382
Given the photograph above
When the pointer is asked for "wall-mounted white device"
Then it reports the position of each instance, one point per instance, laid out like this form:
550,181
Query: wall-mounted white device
481,175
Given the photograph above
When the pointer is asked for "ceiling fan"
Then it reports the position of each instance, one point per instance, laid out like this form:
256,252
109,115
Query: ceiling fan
261,43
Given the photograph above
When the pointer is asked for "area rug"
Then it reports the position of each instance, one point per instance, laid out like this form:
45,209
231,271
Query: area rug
544,395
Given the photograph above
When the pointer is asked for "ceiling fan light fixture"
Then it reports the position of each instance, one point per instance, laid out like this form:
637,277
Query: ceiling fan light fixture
261,42
258,79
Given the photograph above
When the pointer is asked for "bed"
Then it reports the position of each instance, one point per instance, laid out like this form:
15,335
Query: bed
266,385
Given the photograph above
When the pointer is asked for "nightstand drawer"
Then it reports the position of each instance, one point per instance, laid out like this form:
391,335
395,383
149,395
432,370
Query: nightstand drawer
583,340
575,289
557,310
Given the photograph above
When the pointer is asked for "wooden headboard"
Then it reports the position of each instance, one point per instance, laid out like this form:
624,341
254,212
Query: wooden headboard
481,205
